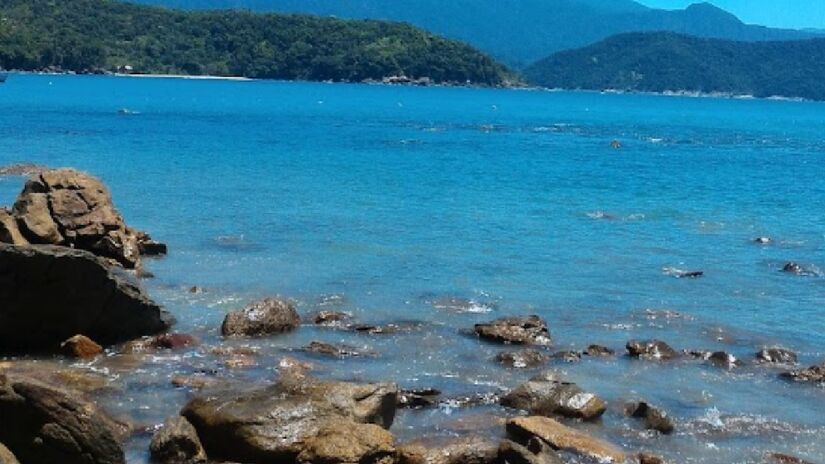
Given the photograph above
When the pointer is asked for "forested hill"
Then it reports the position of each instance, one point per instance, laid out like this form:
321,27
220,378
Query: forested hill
520,32
84,35
659,62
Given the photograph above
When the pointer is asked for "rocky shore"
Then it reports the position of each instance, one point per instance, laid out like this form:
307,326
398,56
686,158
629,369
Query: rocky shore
70,288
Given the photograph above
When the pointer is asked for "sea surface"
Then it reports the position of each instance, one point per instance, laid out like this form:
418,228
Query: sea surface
437,208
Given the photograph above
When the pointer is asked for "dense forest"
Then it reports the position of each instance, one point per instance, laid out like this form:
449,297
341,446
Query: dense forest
520,32
659,62
95,35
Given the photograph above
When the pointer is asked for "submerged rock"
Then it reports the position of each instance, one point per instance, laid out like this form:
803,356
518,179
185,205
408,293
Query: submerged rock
546,395
80,346
559,436
776,355
265,317
793,268
651,349
655,419
528,330
522,358
723,360
331,318
417,399
43,423
568,356
763,240
177,442
598,350
813,374
173,341
48,294
335,351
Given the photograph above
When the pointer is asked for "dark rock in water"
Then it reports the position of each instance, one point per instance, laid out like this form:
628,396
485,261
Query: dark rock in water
80,346
336,351
793,268
417,399
196,290
681,274
266,317
149,247
762,240
559,436
44,424
177,442
598,350
274,424
655,419
173,341
48,294
528,330
461,305
651,349
776,355
547,395
724,360
781,458
6,456
342,441
813,374
330,318
522,358
567,356
467,450
648,458
71,208
536,452
22,169
703,355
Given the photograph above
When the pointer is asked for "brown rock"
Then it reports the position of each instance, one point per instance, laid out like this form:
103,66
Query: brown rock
546,395
80,346
335,351
240,361
173,341
466,450
651,349
776,355
330,318
9,232
266,317
177,442
195,382
559,436
6,456
417,399
780,458
813,374
343,441
536,452
528,330
647,458
655,419
522,358
598,350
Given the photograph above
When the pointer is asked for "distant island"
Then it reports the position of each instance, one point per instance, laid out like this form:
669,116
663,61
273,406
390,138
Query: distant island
665,62
105,35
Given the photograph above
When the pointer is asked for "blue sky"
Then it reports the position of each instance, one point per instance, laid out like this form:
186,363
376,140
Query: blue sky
778,13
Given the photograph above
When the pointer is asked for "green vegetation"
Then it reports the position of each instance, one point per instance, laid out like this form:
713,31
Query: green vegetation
91,35
659,62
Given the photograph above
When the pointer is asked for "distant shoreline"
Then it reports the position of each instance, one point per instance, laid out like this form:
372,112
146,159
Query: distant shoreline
186,76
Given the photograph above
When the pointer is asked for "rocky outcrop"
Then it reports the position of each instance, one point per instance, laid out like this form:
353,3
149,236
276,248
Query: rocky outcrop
80,346
48,294
521,359
282,423
528,330
42,423
70,208
9,232
654,418
651,349
6,456
177,442
813,374
776,355
559,436
547,395
265,317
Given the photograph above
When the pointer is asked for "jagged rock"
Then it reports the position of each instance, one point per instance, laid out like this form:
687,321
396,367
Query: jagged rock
598,350
776,355
813,374
559,436
547,395
655,419
536,452
723,360
528,330
172,341
417,399
177,442
265,317
80,346
343,441
467,450
651,349
42,423
330,318
74,209
568,356
6,456
48,294
793,268
274,423
335,351
9,232
522,358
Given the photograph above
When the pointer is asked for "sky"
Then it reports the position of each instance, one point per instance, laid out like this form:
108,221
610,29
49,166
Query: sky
776,13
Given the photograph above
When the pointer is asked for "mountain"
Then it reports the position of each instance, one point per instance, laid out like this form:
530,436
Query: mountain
520,32
661,61
83,35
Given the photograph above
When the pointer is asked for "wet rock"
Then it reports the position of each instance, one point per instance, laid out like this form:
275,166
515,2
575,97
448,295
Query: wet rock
536,452
599,351
48,294
194,382
682,274
173,341
80,346
467,450
703,355
723,360
559,436
461,305
266,317
6,456
547,395
654,418
150,247
42,423
522,358
762,240
234,350
776,355
330,318
9,232
335,351
274,423
196,290
793,268
417,399
343,441
177,442
567,356
781,458
651,349
240,361
71,208
528,330
293,366
648,458
813,374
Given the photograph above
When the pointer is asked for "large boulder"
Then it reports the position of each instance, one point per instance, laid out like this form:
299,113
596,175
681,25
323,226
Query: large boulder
342,441
48,294
547,395
278,423
177,442
265,317
527,330
42,423
74,209
560,436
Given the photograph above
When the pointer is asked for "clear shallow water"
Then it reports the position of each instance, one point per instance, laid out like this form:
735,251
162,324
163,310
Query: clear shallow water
394,197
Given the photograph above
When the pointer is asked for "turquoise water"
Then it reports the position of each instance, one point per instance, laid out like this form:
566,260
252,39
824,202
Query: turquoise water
381,200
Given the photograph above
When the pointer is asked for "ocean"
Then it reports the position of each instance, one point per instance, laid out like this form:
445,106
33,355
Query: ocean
438,208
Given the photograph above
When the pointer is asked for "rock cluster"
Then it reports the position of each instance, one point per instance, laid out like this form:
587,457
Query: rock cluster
527,330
